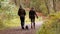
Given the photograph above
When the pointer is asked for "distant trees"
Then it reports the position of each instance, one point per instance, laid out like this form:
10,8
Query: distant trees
44,6
51,4
54,5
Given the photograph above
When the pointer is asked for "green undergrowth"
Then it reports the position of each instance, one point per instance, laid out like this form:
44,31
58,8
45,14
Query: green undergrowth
51,25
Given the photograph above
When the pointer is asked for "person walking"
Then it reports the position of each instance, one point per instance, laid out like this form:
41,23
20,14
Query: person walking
22,13
32,15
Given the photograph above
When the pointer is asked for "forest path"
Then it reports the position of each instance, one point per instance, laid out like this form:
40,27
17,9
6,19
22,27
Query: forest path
18,30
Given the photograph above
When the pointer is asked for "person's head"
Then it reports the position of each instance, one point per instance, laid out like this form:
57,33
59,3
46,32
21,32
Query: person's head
32,8
20,7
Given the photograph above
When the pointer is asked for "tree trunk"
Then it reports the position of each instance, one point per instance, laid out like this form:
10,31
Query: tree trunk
47,6
0,4
54,5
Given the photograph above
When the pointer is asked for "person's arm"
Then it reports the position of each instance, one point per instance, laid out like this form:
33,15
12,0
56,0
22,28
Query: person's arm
18,12
24,12
36,15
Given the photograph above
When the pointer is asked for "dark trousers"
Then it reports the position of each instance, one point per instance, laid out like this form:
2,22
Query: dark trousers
22,22
33,22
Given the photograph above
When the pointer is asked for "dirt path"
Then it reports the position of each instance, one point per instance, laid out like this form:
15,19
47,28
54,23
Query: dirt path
18,30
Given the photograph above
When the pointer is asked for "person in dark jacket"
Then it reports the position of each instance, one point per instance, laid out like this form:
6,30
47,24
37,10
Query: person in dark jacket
32,15
22,13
